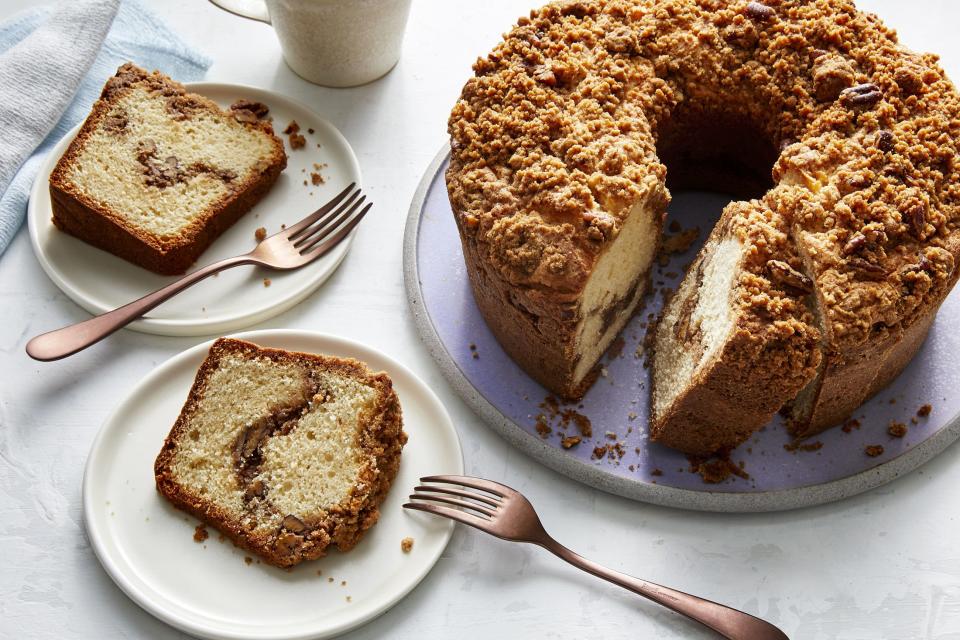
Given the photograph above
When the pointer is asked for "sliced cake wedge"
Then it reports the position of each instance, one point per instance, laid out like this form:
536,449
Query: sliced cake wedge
285,453
740,316
156,174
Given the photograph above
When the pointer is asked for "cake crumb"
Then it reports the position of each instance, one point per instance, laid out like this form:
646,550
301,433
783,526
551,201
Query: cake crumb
657,472
319,572
715,470
200,533
897,429
406,544
570,441
297,141
330,579
343,583
257,109
800,445
598,453
581,421
542,426
615,350
310,130
924,411
317,179
248,560
349,599
850,425
260,234
874,450
679,242
266,282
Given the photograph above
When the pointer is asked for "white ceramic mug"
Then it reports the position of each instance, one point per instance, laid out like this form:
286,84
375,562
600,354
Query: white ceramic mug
336,43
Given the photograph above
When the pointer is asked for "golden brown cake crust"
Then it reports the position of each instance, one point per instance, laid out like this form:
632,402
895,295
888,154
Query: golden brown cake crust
82,216
554,138
382,438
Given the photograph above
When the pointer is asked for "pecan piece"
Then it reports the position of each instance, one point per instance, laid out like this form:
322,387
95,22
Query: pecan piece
287,543
759,11
855,244
783,274
867,269
294,524
861,96
885,140
544,75
242,115
916,219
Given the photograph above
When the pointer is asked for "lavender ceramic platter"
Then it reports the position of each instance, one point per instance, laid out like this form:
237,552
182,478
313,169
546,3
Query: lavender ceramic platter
834,467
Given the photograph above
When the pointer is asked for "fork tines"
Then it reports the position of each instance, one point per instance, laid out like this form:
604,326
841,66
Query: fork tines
330,223
474,507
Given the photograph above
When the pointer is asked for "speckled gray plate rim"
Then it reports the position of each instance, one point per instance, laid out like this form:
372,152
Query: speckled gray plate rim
509,401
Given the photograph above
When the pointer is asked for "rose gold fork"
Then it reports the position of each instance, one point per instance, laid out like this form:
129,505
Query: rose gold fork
500,511
293,247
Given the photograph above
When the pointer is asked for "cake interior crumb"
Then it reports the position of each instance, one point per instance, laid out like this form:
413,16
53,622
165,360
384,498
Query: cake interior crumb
406,544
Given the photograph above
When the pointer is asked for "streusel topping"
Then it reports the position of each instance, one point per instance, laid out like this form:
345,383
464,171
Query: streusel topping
554,139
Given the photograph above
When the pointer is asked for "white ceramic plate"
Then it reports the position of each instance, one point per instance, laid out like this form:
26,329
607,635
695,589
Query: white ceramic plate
99,281
208,589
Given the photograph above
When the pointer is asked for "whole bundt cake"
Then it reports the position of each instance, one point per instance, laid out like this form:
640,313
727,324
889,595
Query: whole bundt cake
812,292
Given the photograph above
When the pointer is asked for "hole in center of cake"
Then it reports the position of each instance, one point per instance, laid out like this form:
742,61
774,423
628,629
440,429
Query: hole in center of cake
716,150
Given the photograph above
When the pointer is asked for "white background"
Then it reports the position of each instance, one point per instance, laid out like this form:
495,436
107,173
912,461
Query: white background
881,565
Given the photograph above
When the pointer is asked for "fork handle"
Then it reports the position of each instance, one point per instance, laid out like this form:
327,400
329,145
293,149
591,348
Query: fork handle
76,337
728,622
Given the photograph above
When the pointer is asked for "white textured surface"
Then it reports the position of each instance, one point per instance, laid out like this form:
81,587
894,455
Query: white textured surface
881,565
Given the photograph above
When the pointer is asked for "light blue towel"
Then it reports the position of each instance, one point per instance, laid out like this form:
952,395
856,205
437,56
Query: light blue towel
136,35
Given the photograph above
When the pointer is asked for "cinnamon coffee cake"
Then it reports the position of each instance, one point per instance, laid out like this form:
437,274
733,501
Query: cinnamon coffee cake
285,453
838,142
156,174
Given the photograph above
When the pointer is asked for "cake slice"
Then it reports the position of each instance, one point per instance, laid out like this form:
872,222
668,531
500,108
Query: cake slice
879,278
285,453
155,174
737,340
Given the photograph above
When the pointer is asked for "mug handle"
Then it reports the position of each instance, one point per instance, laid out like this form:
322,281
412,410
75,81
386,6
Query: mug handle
253,9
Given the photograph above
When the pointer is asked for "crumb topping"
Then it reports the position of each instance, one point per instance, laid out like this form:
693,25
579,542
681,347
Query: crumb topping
553,141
